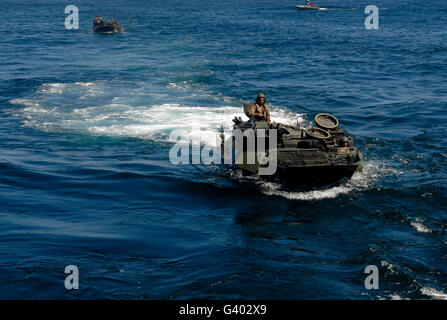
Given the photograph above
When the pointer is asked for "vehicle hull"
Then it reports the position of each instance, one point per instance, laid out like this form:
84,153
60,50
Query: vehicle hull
303,8
106,29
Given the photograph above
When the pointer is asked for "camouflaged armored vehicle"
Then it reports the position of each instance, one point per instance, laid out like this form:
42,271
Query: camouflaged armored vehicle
315,156
109,27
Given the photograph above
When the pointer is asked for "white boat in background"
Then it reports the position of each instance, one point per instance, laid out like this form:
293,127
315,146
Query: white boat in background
308,6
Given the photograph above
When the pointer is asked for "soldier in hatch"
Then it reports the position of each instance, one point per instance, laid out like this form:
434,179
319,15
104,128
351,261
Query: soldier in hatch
259,110
98,21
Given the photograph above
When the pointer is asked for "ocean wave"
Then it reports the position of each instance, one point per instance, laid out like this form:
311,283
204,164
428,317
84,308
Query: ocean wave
25,102
417,224
60,88
433,293
197,90
391,267
396,297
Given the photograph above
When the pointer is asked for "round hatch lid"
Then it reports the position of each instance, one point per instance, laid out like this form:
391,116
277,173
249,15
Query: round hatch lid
326,121
317,133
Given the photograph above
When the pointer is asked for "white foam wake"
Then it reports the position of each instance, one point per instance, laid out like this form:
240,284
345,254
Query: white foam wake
360,181
116,109
128,109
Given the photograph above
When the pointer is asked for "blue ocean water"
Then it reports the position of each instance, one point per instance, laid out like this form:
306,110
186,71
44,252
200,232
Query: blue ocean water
85,177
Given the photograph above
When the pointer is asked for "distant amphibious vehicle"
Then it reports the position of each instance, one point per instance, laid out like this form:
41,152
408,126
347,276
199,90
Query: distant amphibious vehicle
106,27
315,156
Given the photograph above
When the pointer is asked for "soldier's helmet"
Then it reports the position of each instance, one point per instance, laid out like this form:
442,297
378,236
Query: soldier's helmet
344,140
259,96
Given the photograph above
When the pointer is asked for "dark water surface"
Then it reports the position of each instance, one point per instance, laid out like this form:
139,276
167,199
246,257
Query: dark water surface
85,177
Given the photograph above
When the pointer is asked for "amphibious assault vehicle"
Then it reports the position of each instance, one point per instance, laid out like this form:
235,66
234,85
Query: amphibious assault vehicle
314,156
